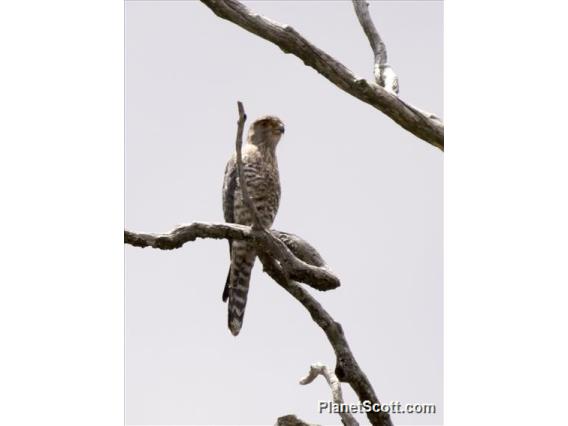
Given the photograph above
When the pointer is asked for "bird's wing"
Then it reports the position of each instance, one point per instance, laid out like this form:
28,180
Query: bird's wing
229,188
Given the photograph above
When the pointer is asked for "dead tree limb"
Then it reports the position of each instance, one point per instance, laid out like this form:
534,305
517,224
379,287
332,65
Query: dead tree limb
319,369
384,74
290,41
303,261
186,233
347,369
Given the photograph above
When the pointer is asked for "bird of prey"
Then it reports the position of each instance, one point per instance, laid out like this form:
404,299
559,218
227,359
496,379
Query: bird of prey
260,171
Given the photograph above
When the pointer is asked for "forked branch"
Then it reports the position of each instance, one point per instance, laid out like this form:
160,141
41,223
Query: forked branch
319,369
290,41
384,74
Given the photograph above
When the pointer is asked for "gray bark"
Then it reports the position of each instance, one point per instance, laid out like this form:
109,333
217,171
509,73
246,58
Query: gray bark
290,41
302,260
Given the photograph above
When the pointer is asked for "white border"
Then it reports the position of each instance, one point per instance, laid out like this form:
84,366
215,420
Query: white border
61,133
506,213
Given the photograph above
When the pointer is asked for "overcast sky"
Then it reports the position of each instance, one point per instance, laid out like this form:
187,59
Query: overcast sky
344,167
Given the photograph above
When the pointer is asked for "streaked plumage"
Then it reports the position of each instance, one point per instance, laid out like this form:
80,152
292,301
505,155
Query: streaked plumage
260,169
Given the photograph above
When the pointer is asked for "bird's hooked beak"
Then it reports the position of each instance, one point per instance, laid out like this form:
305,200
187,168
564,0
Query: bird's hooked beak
281,129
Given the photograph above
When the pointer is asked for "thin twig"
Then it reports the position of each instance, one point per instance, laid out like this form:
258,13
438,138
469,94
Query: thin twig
290,41
318,369
384,74
377,45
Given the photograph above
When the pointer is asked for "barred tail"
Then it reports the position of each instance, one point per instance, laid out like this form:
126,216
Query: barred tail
242,261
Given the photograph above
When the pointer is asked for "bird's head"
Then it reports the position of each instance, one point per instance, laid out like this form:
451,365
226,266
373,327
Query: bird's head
266,131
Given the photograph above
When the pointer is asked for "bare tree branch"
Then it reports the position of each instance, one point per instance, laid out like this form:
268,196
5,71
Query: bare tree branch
186,233
318,369
384,74
301,260
290,41
347,369
379,49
